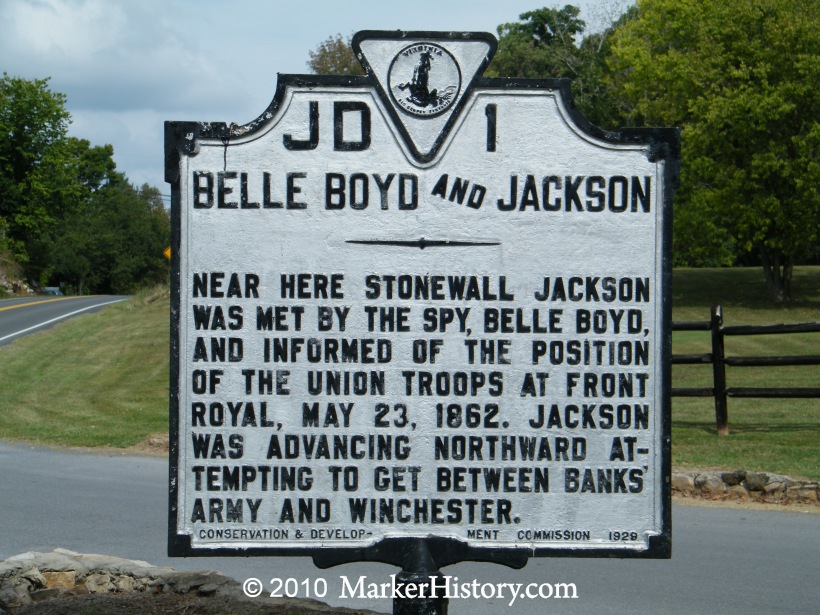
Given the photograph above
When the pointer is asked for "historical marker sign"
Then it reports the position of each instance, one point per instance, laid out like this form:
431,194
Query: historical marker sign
420,303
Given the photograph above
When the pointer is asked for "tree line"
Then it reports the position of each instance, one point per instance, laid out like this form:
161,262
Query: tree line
68,218
739,77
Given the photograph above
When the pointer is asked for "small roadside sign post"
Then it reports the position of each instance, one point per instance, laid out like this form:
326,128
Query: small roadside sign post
420,317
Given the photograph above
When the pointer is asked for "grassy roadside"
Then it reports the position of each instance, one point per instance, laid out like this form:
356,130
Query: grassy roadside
111,389
99,379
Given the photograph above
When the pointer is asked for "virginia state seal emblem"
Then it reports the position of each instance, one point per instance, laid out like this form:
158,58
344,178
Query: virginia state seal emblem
424,79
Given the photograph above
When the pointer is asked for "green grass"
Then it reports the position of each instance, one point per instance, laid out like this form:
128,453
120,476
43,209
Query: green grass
111,387
95,380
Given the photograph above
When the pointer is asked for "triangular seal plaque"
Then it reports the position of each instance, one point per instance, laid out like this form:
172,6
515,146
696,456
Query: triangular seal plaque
423,79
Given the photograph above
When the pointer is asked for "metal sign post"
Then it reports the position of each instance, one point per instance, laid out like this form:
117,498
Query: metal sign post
420,317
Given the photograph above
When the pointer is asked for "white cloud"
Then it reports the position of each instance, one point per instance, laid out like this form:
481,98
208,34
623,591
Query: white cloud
110,55
70,31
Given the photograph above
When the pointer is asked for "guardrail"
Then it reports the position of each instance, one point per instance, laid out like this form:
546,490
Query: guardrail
720,391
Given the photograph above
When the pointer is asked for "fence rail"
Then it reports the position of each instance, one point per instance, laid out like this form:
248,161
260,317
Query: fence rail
720,391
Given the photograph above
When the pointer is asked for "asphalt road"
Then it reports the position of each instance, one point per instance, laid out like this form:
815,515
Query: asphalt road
21,316
724,561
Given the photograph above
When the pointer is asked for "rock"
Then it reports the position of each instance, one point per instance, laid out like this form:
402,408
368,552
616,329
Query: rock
35,577
774,487
209,589
756,481
778,478
45,594
733,478
8,570
13,596
184,582
98,583
683,483
41,576
98,563
802,492
125,584
50,562
710,483
64,579
738,491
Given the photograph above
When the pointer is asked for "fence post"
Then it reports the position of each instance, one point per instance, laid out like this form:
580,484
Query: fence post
719,372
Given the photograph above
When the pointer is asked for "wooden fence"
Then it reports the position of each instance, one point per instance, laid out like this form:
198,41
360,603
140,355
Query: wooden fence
720,391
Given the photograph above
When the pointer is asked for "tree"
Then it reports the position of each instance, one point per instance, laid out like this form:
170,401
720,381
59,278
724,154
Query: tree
92,167
66,214
33,126
740,77
541,45
549,43
334,56
114,244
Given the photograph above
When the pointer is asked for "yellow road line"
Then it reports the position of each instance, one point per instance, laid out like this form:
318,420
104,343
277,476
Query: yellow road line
19,305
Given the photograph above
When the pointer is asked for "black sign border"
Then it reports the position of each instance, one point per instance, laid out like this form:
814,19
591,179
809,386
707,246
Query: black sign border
181,139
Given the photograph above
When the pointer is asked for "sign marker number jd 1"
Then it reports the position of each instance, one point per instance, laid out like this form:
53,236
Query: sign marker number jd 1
420,307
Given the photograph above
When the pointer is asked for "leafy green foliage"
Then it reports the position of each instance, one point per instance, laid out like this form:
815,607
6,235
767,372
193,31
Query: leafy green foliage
541,45
115,242
33,126
740,77
334,56
66,215
549,43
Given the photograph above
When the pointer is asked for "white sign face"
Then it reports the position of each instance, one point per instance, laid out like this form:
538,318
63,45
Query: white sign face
420,304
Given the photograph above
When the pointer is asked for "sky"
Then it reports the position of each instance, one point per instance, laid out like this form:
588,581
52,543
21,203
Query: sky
127,66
